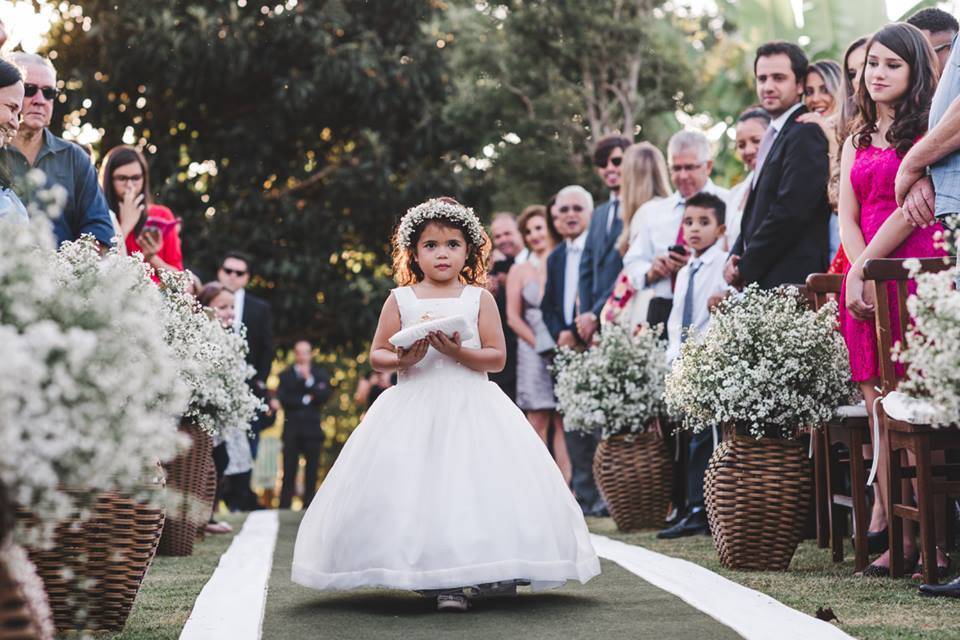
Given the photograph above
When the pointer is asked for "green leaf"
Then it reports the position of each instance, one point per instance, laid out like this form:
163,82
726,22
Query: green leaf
832,24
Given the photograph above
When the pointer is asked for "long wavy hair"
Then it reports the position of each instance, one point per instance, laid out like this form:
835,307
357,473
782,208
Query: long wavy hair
643,177
913,109
406,271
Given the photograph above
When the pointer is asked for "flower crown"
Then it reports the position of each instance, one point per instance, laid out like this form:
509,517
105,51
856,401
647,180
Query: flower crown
439,209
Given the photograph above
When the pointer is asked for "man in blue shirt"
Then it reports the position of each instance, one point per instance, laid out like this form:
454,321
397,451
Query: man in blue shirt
64,163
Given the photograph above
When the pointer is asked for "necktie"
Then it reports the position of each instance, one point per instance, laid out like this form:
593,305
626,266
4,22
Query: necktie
687,318
614,209
765,145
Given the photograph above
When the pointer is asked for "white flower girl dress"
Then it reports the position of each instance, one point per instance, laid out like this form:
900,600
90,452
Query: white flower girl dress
443,485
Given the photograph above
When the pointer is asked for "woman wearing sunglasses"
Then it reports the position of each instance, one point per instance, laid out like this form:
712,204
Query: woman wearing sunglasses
147,228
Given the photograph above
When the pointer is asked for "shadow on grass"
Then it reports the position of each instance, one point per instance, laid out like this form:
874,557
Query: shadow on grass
405,605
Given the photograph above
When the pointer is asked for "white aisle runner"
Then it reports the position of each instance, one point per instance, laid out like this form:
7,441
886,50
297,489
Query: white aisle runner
752,614
230,607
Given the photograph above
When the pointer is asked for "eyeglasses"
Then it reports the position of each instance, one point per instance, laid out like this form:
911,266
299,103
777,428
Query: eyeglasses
615,160
941,47
677,168
576,208
234,272
49,93
126,179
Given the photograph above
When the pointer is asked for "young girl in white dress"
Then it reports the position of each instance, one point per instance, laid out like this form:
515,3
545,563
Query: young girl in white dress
443,488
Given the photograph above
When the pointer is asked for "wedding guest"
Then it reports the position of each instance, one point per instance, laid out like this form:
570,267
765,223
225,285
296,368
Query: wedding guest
303,390
572,211
601,262
643,178
11,100
219,302
147,228
751,125
253,314
823,98
939,28
894,99
697,281
658,252
525,285
508,243
784,232
370,387
64,163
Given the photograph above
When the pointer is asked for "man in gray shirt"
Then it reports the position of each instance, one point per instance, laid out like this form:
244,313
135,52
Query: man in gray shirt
64,163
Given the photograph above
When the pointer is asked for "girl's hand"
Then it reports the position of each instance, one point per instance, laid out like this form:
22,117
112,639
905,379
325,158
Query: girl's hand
858,301
131,207
151,242
406,358
447,345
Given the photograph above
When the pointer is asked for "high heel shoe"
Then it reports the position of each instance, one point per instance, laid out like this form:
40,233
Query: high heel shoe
943,571
877,541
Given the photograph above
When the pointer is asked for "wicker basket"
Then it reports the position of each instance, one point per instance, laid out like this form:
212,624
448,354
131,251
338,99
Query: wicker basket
21,618
190,499
633,473
757,496
110,551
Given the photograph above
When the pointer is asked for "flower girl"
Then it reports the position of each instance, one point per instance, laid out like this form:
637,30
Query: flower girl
443,488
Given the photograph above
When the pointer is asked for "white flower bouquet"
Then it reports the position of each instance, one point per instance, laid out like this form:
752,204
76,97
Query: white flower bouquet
767,362
213,360
615,387
933,346
91,393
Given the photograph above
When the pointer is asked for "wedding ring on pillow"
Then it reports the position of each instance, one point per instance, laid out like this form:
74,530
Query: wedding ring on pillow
450,325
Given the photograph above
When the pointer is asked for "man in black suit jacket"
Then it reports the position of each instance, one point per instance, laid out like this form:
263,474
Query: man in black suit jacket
304,389
601,263
784,233
254,314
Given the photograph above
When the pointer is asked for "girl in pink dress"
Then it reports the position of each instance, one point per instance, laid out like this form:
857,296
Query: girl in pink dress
894,100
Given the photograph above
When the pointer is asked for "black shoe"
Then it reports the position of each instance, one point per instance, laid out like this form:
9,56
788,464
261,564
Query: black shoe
675,516
948,590
694,524
877,541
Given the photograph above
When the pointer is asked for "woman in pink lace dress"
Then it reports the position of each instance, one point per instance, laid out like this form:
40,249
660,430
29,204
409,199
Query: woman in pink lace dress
894,100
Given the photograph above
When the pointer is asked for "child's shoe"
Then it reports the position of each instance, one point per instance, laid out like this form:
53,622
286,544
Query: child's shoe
452,602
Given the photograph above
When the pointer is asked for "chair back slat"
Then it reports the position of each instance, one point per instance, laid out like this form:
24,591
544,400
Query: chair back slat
822,285
892,270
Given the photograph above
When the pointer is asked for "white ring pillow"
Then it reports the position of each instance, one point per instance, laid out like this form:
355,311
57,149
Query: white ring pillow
450,325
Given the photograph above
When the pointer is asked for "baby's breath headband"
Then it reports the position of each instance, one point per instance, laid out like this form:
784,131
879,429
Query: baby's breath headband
438,209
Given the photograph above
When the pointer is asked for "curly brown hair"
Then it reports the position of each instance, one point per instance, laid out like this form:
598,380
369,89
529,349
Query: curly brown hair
406,271
913,110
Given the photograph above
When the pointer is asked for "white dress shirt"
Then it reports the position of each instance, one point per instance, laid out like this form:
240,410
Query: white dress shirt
658,225
708,281
238,298
571,275
736,200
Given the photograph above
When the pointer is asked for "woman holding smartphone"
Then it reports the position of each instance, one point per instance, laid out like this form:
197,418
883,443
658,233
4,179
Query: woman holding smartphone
147,228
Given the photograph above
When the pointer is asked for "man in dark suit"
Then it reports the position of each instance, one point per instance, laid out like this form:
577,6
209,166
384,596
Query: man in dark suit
304,389
784,233
254,314
601,261
572,211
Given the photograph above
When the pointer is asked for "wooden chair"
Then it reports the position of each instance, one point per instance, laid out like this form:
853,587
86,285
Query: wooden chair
933,482
851,429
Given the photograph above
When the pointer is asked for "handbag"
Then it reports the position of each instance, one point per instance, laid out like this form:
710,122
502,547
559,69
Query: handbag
627,305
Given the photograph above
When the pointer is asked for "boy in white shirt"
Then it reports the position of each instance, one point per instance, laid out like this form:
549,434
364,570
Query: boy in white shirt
702,276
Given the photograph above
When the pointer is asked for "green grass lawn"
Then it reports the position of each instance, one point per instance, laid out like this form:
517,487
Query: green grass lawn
171,587
868,608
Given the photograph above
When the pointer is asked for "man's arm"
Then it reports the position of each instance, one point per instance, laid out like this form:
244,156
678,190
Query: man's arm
289,392
321,389
939,142
585,285
93,215
803,186
552,307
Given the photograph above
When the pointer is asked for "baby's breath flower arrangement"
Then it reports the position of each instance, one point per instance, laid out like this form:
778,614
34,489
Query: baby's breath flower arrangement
91,393
933,345
767,362
213,360
616,386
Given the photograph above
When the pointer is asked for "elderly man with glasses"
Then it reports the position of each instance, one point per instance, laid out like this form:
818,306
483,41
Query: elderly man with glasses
64,163
657,254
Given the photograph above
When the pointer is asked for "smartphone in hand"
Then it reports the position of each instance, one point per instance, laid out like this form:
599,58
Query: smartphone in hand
678,248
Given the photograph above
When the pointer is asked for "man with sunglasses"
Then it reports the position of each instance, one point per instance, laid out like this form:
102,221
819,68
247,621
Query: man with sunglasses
601,262
254,314
64,163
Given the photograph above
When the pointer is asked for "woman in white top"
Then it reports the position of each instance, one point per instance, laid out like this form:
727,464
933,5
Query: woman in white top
11,100
751,126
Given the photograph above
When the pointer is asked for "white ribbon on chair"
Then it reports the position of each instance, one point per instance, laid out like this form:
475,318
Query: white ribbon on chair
876,441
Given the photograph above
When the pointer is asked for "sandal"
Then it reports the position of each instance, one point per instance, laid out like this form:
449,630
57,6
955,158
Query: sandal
943,571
